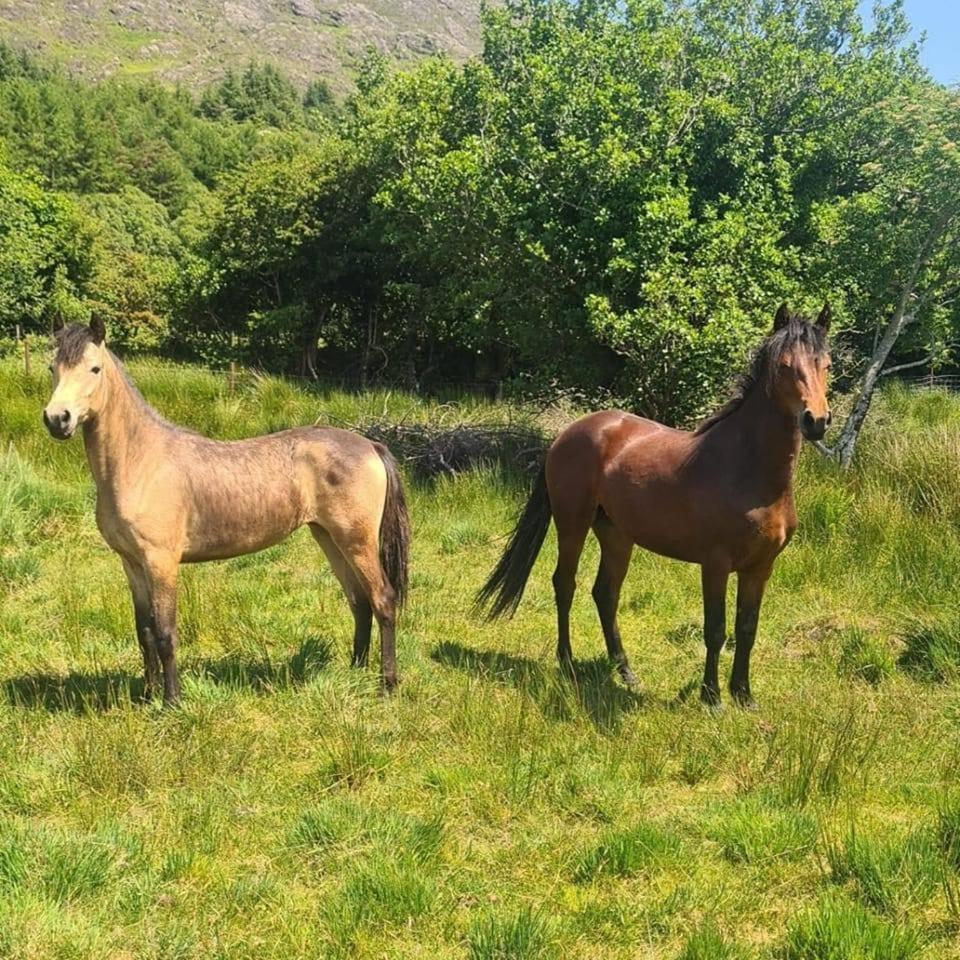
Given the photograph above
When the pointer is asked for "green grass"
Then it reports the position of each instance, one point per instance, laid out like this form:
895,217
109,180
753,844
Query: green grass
491,809
838,930
893,874
623,853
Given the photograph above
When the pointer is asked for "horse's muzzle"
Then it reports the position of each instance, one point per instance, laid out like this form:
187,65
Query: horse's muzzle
813,428
61,425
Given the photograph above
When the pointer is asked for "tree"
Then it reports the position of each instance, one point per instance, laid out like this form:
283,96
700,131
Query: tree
260,93
135,257
45,260
893,243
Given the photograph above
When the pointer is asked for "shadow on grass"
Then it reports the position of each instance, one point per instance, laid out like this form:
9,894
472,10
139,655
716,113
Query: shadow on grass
931,650
594,689
79,692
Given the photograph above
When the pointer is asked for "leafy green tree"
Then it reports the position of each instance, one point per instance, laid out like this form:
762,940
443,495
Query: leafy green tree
45,260
260,93
136,254
892,243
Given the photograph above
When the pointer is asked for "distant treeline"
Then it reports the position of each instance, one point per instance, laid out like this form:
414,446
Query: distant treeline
611,199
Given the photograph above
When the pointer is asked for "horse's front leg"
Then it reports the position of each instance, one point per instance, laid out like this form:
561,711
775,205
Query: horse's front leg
162,577
140,591
750,586
714,580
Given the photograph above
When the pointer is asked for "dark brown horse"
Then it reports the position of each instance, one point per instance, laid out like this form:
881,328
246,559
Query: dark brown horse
721,496
167,496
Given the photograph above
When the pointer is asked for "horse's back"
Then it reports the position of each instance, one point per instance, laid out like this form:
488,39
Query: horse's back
244,495
579,458
632,469
598,439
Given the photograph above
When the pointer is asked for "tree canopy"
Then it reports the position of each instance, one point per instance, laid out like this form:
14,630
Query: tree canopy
612,198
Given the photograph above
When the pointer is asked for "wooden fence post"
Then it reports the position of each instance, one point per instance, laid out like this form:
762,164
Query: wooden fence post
26,357
232,378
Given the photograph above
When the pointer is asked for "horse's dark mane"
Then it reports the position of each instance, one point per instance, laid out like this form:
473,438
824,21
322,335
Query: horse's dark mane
797,332
71,342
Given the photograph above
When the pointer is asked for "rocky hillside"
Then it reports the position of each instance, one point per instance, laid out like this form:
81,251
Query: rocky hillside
193,41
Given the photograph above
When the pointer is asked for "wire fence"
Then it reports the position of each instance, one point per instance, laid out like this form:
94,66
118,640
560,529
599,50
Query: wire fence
935,381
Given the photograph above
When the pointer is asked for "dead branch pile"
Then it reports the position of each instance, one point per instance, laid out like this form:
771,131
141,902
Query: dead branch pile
433,450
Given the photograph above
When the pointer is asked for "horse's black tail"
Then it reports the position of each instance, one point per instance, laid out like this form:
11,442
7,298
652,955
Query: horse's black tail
394,528
504,588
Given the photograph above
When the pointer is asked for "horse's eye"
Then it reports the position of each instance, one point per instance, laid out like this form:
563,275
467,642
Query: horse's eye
94,369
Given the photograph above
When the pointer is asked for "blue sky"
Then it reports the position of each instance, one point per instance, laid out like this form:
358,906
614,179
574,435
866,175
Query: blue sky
941,21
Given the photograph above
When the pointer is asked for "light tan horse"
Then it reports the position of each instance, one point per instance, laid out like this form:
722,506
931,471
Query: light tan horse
167,496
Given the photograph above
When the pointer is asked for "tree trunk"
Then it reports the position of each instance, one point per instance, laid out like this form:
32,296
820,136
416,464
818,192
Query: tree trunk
368,346
308,348
850,431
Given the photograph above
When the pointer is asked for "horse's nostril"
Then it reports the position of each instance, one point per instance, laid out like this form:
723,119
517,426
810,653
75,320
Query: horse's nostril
65,416
829,417
808,420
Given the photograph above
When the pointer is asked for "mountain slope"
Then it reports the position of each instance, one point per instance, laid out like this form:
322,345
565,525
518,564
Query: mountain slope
193,41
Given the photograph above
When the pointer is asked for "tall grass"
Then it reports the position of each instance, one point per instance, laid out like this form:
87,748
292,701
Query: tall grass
837,929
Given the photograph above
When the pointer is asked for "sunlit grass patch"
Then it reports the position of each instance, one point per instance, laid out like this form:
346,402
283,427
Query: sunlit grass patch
836,929
523,935
707,943
889,874
820,756
864,656
384,889
623,853
948,831
749,830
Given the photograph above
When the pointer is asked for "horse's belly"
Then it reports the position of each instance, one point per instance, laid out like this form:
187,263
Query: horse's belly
246,528
672,542
658,516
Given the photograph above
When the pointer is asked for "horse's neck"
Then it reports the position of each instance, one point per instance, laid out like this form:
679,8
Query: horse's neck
115,440
766,440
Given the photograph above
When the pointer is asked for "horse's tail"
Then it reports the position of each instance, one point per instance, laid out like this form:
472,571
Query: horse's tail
394,528
505,585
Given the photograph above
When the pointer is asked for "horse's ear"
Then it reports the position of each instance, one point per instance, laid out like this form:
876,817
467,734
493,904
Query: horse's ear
57,322
782,318
823,321
97,328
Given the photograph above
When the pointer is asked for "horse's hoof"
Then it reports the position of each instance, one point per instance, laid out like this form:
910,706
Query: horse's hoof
710,700
390,684
744,701
629,679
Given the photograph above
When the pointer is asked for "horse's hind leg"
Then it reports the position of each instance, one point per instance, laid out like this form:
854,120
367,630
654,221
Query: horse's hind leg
615,550
141,609
356,597
571,533
361,549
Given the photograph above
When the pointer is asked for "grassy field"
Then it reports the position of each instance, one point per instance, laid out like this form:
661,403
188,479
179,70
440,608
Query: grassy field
490,809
